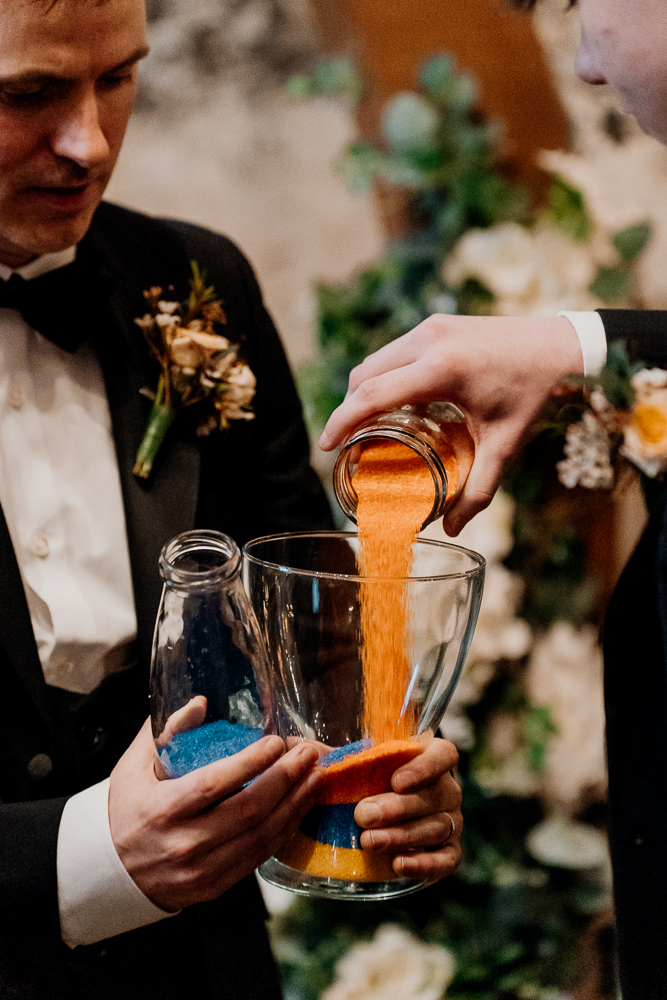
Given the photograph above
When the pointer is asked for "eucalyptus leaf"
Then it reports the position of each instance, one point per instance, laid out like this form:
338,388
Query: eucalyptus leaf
632,241
410,122
611,284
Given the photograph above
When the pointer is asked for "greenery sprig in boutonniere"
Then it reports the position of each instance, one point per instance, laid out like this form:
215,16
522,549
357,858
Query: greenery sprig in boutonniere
199,367
623,417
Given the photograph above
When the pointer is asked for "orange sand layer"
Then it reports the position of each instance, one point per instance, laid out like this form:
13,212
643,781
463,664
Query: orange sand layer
365,773
314,858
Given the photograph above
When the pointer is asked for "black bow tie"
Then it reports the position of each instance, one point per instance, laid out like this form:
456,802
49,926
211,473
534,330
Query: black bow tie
63,305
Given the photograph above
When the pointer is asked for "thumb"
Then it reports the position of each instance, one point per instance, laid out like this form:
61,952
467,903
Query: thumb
478,492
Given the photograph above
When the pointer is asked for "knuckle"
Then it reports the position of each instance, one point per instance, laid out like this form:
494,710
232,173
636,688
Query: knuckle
207,786
367,391
250,810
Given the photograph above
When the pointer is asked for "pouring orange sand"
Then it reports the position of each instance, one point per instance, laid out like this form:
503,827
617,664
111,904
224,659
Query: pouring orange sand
396,495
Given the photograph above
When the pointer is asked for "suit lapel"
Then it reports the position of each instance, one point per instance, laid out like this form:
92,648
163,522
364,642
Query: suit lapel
165,505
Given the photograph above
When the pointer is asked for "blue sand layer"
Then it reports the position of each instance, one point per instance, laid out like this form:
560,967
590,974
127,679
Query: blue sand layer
342,752
333,825
196,747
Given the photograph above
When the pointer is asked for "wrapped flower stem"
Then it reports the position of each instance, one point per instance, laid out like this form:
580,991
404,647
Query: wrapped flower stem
161,418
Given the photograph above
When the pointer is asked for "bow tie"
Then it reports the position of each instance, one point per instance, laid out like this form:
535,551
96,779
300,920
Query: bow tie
63,305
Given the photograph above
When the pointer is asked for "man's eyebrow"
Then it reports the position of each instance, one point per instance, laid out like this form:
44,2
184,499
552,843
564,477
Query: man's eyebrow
33,75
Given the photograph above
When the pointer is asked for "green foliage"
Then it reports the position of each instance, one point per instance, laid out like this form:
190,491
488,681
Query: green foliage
330,78
631,242
616,284
567,210
617,374
441,156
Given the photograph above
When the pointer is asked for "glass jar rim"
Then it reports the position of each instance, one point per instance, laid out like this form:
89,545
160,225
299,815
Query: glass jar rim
473,571
189,542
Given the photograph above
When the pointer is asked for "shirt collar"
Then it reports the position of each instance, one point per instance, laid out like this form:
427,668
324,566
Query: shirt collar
41,265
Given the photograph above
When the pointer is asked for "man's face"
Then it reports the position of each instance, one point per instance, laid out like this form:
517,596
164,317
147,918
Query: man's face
624,43
67,84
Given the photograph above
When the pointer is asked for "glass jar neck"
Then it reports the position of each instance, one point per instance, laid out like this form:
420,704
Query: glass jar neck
199,561
345,467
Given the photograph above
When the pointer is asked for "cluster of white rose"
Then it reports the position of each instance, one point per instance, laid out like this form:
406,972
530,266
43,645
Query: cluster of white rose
535,271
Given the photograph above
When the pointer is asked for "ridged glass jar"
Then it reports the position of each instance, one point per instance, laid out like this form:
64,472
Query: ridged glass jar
437,432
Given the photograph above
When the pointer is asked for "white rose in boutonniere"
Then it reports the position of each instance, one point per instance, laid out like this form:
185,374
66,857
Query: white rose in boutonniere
199,367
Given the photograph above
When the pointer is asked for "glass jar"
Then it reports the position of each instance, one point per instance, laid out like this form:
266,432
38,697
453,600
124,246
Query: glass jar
437,432
209,695
307,593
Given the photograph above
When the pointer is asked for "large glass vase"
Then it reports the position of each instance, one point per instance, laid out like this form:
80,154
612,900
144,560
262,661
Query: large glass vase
307,594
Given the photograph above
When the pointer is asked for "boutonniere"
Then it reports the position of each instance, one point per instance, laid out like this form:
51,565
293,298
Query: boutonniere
199,368
622,418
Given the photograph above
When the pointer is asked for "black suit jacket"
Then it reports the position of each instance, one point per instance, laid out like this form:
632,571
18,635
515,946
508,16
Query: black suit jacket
251,480
635,648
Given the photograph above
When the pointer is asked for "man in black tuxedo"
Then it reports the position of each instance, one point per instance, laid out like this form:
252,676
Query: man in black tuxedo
500,371
130,887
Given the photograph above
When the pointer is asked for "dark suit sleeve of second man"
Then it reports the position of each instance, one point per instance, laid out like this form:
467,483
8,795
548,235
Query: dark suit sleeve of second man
643,330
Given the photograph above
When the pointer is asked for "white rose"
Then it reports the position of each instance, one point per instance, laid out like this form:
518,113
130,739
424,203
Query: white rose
394,964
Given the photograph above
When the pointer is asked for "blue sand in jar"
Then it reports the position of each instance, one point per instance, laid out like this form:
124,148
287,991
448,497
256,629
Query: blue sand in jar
342,752
196,747
333,825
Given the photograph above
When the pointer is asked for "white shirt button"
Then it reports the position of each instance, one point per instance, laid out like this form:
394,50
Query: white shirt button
15,396
39,546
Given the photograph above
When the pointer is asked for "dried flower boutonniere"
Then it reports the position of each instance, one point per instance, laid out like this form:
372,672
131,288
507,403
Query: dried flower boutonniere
623,416
199,368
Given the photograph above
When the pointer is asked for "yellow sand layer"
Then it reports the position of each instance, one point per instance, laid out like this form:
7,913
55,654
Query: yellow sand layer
314,858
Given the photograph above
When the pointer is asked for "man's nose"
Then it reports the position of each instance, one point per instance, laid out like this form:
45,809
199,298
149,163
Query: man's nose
79,135
586,66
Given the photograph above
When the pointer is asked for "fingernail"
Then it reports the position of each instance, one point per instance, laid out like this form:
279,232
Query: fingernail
324,440
367,814
274,744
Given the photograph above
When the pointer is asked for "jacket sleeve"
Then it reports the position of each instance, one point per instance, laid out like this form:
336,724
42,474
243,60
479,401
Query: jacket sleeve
644,332
28,874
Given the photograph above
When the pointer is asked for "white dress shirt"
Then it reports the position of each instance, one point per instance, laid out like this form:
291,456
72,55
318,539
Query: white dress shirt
61,497
590,331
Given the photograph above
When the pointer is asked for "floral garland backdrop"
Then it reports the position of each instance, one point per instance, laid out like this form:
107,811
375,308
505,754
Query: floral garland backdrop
527,715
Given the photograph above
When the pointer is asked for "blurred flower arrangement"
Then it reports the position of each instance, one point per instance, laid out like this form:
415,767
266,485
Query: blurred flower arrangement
528,715
623,416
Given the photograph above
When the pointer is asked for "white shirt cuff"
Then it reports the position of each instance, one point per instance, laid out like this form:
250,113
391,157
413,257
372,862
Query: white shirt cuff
97,897
590,331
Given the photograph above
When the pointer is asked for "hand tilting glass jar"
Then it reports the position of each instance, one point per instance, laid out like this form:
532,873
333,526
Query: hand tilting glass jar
209,672
437,432
307,592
